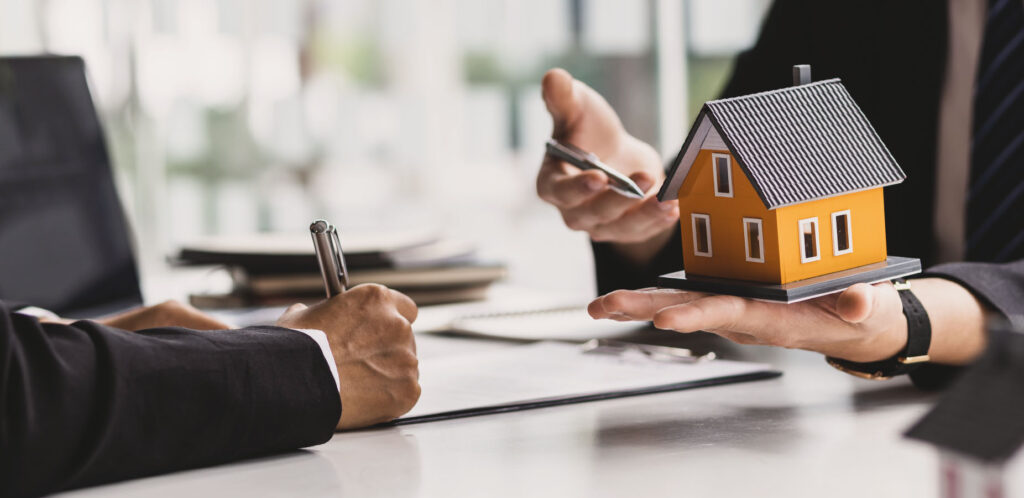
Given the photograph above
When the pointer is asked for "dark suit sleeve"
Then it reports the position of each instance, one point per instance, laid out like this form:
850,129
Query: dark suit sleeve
87,404
1000,286
615,272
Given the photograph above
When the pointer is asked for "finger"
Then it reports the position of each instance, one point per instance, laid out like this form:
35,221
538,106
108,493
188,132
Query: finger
638,305
638,223
295,308
606,206
552,170
405,306
708,313
201,321
575,189
856,303
563,100
740,338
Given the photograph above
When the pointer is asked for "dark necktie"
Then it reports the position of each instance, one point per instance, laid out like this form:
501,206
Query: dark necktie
995,200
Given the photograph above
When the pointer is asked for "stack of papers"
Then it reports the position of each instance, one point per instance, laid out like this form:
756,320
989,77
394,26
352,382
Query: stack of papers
280,269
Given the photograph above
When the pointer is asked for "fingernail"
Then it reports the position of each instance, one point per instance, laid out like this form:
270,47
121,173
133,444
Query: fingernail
666,206
593,184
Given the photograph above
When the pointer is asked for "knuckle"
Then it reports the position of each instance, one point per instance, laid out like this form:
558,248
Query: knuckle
374,292
412,361
403,329
664,319
735,308
407,398
403,393
574,222
171,304
415,396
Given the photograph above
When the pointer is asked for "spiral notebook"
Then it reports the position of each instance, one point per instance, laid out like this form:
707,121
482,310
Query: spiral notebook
547,374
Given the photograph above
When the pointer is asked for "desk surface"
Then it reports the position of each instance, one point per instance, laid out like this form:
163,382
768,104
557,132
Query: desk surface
812,432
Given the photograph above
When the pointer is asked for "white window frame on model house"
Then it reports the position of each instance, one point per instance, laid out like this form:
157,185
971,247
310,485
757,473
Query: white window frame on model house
835,233
728,173
760,239
707,223
803,247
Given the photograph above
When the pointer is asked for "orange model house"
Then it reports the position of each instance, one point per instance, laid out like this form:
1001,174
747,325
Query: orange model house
782,186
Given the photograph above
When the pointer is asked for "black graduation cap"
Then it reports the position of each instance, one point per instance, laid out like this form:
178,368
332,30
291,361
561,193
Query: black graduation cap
982,414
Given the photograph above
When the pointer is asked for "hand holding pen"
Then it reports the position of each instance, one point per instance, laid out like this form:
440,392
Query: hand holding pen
587,198
369,331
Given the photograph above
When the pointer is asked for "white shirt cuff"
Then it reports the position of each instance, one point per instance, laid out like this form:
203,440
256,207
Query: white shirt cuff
42,313
321,339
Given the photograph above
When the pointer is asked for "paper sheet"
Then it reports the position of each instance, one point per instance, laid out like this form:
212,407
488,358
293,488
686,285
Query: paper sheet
553,371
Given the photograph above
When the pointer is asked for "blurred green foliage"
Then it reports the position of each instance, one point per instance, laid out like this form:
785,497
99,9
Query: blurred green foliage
359,58
708,76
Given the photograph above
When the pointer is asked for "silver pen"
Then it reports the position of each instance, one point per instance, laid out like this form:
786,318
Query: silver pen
565,151
327,245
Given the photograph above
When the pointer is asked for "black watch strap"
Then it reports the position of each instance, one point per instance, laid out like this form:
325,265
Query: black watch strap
915,353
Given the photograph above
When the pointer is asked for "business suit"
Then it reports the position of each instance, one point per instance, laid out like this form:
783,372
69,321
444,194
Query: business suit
85,404
891,56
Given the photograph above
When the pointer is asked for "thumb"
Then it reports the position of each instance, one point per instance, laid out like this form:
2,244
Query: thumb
857,303
561,97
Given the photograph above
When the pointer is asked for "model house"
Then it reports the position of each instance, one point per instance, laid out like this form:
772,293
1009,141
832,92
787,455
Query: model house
782,186
978,425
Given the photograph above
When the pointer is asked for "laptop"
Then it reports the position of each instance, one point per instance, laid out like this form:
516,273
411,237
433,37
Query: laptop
64,242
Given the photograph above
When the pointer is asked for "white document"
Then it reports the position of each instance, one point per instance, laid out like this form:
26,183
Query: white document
522,314
549,373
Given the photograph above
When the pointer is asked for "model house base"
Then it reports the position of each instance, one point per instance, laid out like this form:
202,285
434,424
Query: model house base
893,267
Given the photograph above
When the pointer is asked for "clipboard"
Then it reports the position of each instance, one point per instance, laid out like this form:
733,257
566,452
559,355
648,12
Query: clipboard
545,374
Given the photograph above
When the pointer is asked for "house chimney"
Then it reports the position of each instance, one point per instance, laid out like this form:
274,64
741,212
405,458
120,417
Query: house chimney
801,74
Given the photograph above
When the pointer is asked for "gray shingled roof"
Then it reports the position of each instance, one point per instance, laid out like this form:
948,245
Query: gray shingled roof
800,143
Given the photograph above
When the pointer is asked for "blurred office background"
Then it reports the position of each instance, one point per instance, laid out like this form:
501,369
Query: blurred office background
236,116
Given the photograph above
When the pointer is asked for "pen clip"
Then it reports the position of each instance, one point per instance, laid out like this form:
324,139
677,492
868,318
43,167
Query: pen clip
656,353
573,151
339,257
327,255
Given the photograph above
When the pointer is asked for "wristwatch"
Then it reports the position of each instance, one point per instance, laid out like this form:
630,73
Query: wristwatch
913,355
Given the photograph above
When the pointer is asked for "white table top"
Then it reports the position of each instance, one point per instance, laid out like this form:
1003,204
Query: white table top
812,432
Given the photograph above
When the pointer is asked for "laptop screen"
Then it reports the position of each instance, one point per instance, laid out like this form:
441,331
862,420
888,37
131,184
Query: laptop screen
64,242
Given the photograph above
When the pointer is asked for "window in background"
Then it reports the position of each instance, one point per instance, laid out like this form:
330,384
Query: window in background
238,115
718,30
